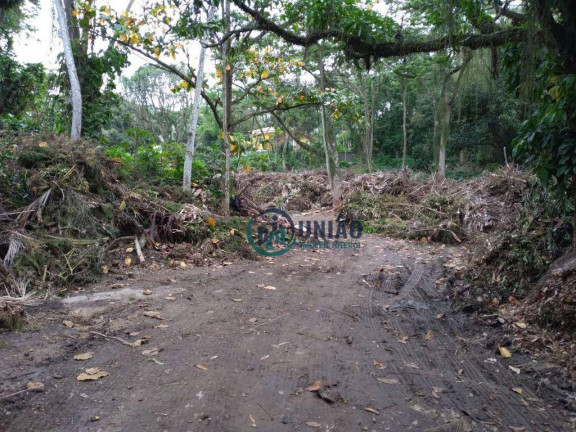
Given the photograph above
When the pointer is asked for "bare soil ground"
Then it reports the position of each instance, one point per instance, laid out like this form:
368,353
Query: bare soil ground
235,356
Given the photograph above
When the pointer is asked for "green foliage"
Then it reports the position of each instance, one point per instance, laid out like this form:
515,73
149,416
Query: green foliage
6,154
97,72
253,161
547,139
349,16
19,85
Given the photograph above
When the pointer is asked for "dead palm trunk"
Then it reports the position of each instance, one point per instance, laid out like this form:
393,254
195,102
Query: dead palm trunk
76,127
329,140
191,142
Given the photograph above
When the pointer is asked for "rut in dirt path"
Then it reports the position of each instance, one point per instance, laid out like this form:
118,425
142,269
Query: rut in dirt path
331,348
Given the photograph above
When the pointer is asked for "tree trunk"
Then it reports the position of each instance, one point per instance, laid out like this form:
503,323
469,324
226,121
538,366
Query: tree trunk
368,96
444,117
436,137
443,113
76,127
227,108
191,142
284,146
329,140
404,86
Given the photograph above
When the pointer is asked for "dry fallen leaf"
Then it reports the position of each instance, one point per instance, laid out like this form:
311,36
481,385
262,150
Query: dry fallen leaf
315,387
313,424
379,364
429,335
412,365
253,320
84,356
153,314
118,285
92,374
68,324
129,250
387,380
161,326
35,386
403,340
150,352
147,292
270,288
521,325
517,390
87,377
504,352
127,261
371,410
139,342
202,366
440,316
514,369
170,298
252,420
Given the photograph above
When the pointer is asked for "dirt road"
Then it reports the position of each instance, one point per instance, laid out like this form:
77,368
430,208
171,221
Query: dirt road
236,355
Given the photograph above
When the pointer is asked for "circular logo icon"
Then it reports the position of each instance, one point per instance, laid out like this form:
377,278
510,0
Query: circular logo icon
271,232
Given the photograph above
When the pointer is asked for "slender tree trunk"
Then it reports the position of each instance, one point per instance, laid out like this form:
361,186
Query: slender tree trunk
284,146
436,137
444,117
329,140
191,142
368,96
404,86
76,127
372,122
227,107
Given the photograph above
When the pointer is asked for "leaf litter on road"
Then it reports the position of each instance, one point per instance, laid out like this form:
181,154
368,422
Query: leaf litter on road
84,356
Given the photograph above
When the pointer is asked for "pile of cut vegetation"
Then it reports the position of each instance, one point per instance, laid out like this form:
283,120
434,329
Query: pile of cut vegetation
513,228
292,191
66,217
399,203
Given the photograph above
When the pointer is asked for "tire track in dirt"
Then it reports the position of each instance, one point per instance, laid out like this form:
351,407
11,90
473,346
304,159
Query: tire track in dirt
515,416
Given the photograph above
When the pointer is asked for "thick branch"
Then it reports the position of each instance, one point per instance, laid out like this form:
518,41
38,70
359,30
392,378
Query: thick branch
358,48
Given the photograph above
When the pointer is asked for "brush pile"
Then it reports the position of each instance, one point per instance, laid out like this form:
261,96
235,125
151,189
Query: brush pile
400,203
65,217
512,226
